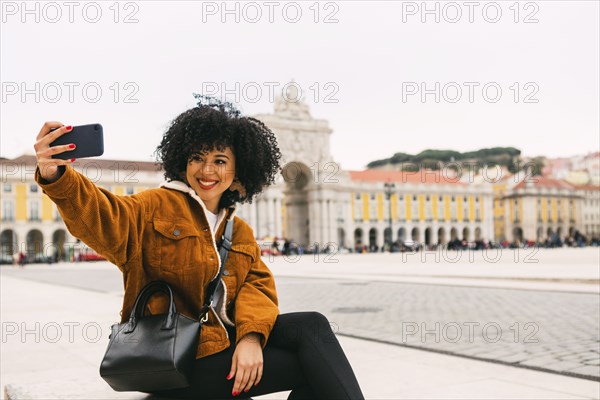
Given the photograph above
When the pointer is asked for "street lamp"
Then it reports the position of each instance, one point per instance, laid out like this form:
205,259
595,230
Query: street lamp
389,189
341,233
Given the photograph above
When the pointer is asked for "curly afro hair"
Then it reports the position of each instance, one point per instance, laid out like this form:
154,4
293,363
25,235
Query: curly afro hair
215,125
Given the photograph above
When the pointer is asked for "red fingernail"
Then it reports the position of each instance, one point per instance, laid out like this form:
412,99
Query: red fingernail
69,128
246,390
229,376
71,146
72,159
234,393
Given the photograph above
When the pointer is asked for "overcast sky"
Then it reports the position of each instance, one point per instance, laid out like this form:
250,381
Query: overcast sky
363,70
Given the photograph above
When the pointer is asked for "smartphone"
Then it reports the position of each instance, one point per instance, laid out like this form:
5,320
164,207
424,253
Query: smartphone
88,139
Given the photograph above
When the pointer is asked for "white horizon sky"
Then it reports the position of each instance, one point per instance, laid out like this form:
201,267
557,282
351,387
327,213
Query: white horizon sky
369,55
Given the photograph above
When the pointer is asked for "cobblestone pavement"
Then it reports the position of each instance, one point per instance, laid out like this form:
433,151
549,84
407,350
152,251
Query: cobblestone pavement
549,331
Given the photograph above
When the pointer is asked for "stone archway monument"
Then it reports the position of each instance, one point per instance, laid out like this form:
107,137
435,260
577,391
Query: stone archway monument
309,204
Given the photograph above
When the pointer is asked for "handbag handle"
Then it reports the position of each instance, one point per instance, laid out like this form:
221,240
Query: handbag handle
142,299
164,287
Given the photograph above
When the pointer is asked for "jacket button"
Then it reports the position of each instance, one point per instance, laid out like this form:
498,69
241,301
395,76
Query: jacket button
205,229
176,232
226,273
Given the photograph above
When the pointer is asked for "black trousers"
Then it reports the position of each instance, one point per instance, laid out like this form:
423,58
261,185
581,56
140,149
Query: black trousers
302,355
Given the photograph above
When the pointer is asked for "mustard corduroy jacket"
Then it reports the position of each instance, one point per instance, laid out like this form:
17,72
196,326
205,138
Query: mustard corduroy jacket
163,234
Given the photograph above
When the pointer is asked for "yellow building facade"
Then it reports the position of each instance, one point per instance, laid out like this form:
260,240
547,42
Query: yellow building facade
425,208
31,223
536,208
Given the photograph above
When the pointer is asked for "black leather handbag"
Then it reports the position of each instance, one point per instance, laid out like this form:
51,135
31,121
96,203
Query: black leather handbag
157,352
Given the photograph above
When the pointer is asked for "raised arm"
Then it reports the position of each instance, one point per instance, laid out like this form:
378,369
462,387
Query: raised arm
110,224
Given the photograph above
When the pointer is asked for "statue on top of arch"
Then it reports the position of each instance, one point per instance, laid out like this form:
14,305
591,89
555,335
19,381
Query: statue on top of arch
291,103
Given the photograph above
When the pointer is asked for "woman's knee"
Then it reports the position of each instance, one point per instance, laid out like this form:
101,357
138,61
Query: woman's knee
316,318
303,318
306,323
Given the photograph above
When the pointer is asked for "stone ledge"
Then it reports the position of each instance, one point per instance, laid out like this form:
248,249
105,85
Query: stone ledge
48,391
73,390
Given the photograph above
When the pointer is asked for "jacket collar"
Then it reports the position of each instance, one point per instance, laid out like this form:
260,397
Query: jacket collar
180,186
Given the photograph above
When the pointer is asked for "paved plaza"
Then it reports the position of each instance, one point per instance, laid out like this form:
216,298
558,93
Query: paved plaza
539,316
532,308
547,330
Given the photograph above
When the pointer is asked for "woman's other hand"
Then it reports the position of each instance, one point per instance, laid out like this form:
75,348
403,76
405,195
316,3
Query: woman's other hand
247,363
49,166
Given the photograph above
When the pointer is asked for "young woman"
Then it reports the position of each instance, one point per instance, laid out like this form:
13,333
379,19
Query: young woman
213,158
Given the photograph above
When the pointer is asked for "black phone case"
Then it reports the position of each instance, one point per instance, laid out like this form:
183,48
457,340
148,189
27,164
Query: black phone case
88,139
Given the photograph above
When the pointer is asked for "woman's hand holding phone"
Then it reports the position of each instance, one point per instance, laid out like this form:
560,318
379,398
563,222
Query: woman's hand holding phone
49,133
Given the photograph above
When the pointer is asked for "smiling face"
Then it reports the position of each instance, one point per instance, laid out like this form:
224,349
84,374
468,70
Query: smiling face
210,175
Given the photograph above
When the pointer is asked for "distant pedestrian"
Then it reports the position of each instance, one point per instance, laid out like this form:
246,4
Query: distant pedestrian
286,247
275,246
21,259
